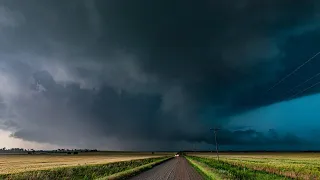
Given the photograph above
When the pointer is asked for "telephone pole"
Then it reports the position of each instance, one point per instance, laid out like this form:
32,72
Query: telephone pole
215,139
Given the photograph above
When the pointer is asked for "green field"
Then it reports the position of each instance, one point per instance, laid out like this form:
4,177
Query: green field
258,165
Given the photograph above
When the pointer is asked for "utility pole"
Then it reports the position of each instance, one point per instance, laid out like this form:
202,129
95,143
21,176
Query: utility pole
215,139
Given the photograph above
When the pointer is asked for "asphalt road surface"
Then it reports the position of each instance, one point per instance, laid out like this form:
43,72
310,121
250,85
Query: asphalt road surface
177,168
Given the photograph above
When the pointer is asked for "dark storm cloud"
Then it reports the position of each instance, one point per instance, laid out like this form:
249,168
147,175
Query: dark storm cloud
74,72
252,137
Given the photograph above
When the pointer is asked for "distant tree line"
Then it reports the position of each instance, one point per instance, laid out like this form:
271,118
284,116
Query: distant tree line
73,151
13,150
32,151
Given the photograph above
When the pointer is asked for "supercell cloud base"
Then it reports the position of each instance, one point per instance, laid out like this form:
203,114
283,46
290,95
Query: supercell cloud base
156,75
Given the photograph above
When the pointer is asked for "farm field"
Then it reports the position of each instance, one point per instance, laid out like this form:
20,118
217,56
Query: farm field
21,163
288,165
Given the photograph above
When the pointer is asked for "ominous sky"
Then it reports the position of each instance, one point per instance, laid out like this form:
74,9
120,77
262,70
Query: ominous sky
157,75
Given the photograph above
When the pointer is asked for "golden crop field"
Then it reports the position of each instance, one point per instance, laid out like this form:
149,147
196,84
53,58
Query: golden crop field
20,163
293,165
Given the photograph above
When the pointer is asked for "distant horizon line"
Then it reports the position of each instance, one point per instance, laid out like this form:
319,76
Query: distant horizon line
190,151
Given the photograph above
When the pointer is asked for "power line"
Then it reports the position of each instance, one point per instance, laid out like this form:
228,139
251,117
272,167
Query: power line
307,80
303,83
304,90
294,71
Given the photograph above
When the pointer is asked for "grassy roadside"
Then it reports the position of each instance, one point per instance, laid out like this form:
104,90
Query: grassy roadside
231,171
206,172
86,172
135,171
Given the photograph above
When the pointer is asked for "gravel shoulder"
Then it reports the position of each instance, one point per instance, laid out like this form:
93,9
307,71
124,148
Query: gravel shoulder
176,169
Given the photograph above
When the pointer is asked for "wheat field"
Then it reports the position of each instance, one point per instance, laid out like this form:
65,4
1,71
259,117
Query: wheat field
20,163
291,165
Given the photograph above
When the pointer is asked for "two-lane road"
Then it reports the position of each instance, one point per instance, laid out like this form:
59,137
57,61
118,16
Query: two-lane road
177,168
